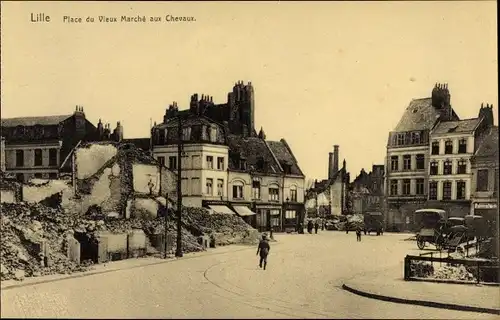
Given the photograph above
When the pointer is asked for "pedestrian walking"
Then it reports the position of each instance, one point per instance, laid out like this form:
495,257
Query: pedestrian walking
309,226
358,234
263,249
316,227
322,224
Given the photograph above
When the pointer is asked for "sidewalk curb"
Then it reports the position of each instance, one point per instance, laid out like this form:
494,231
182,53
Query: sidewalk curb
424,303
93,272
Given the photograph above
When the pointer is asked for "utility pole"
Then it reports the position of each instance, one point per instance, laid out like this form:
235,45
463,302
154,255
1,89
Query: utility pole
178,252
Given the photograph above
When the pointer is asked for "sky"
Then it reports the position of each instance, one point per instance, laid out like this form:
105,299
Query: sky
324,73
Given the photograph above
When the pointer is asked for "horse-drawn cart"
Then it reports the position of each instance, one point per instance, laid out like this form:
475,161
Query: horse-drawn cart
431,226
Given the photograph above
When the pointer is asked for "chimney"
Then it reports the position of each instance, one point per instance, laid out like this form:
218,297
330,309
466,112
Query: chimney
335,167
330,165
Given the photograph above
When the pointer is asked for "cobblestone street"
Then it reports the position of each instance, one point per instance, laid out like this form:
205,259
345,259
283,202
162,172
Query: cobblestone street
303,280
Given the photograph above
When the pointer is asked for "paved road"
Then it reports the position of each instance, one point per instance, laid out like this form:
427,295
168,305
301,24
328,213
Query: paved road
303,280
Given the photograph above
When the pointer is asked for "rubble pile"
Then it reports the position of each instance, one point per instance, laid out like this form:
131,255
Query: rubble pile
421,269
27,228
453,273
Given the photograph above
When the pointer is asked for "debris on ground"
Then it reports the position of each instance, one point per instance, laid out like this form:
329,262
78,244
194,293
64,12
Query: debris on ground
453,273
421,269
34,235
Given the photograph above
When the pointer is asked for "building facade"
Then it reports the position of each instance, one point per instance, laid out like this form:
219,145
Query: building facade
229,168
452,145
366,192
329,196
35,147
484,164
408,157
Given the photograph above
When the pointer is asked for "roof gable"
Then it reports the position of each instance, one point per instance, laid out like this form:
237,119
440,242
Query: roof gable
489,146
285,156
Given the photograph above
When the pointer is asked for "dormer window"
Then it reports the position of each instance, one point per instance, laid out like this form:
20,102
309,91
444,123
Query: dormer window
243,164
260,163
186,133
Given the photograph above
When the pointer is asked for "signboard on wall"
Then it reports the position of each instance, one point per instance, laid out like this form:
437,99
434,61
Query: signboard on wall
479,205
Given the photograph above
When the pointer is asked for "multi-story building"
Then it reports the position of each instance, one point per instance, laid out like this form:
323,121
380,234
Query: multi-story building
367,191
408,156
35,147
452,144
484,165
204,158
329,196
226,166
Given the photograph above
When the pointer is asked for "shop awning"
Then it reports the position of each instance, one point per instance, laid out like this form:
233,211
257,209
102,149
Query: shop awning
221,209
243,211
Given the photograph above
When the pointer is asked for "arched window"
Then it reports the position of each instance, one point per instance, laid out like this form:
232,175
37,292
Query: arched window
237,186
274,192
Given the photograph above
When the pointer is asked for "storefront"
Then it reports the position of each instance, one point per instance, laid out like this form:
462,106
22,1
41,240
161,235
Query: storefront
246,213
268,216
488,210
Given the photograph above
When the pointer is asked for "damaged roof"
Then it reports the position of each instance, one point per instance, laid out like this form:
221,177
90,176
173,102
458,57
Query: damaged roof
419,115
284,154
251,149
460,126
141,143
489,145
32,121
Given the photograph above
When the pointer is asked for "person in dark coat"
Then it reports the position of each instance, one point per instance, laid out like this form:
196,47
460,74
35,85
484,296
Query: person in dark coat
358,234
309,226
263,249
316,226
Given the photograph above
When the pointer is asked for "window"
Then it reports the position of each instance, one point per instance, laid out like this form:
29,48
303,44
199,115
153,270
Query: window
210,162
435,147
420,161
255,189
462,146
460,190
20,177
415,138
401,139
407,162
38,157
220,187
394,187
195,186
172,163
433,189
19,158
406,186
186,133
290,214
238,191
293,193
161,160
447,167
243,164
462,167
434,168
275,217
482,180
274,194
38,175
209,187
220,163
447,190
53,175
394,163
52,157
420,186
448,147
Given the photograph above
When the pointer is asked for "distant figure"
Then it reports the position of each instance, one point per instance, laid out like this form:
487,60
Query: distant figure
316,226
322,225
263,249
309,226
346,228
358,234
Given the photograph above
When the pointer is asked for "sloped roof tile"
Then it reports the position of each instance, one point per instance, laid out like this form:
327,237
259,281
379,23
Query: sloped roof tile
251,148
460,126
285,155
419,115
32,121
489,146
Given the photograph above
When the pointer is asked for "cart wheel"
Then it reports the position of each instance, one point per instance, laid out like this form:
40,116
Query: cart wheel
420,243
